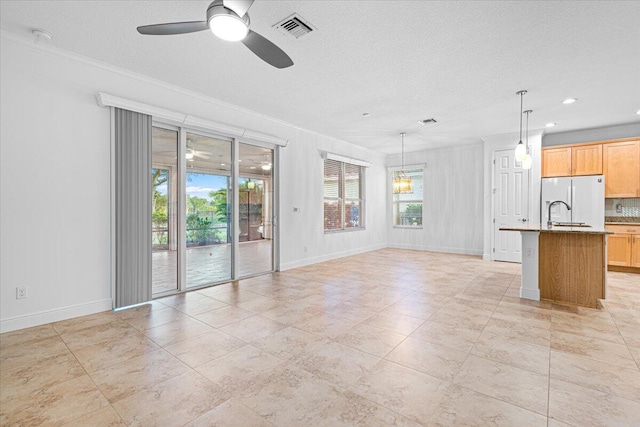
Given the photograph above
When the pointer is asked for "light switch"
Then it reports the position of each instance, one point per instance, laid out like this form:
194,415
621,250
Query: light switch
296,209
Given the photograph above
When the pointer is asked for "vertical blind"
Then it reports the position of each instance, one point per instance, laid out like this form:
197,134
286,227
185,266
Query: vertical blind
133,200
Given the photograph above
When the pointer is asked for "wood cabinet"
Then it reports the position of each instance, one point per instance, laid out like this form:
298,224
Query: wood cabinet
635,251
623,248
618,160
619,250
577,160
586,160
556,162
621,161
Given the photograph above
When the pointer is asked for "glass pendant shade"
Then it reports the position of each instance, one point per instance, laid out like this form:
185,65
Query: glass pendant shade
251,185
402,185
527,162
521,152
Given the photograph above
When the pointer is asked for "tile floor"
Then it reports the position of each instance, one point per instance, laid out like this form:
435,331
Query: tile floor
391,337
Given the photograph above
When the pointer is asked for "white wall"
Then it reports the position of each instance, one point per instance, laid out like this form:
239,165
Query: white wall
453,201
54,180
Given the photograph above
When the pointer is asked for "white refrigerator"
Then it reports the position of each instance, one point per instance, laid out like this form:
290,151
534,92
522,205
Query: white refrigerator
585,195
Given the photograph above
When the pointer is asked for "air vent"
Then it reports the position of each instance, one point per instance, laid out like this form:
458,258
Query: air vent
294,25
427,121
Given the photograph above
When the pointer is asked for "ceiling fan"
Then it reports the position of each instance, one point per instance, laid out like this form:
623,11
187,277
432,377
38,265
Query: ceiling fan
228,20
189,153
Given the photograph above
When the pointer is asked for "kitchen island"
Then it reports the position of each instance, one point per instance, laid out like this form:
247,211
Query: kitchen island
567,265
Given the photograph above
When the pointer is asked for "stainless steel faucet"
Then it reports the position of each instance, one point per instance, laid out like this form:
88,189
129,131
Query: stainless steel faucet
549,222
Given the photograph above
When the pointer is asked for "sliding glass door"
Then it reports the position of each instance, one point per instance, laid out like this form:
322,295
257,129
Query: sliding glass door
255,210
164,225
195,243
208,210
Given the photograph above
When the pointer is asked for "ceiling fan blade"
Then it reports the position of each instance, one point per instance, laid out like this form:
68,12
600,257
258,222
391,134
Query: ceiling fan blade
173,28
202,156
267,51
238,6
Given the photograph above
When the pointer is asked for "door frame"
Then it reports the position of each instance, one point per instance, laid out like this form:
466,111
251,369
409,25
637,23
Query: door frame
526,193
502,142
181,205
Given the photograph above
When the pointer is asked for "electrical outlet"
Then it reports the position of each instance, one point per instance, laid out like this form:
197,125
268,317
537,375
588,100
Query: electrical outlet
21,292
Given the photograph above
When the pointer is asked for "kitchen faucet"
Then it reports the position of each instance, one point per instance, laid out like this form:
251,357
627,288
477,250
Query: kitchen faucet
549,222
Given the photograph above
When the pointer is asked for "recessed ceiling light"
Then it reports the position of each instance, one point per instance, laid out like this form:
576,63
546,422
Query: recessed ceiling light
426,121
266,167
240,160
252,167
638,112
569,100
222,164
549,125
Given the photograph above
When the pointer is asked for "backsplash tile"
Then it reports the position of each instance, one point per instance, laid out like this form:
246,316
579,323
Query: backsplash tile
622,210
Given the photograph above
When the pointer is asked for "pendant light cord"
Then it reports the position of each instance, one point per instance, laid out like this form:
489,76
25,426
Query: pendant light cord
402,135
527,135
521,108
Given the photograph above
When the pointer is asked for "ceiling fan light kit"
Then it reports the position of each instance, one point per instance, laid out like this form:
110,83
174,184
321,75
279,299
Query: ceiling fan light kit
226,24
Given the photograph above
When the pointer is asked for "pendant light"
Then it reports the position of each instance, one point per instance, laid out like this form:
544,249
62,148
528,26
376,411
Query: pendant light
527,162
251,184
401,182
521,150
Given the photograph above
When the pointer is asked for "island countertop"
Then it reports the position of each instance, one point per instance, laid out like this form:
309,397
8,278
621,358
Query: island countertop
557,229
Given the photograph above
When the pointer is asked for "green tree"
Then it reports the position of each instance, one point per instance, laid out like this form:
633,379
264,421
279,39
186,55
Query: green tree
219,203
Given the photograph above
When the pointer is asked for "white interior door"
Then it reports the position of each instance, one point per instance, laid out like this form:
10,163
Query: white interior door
511,184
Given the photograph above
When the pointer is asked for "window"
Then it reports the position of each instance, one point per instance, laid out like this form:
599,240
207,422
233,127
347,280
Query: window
407,207
343,201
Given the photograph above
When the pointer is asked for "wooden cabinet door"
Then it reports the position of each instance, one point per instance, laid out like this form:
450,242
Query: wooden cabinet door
586,160
619,250
635,250
556,162
621,162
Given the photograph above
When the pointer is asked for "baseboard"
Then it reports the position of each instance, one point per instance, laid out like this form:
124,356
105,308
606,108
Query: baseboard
55,315
308,261
461,251
623,269
533,294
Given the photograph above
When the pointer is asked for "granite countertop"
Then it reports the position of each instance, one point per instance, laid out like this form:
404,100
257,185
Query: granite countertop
621,223
622,220
557,229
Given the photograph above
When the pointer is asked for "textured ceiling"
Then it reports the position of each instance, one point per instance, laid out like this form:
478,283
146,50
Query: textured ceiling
401,61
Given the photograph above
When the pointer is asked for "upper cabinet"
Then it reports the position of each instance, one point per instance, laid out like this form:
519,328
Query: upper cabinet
621,162
556,161
572,161
618,160
586,160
